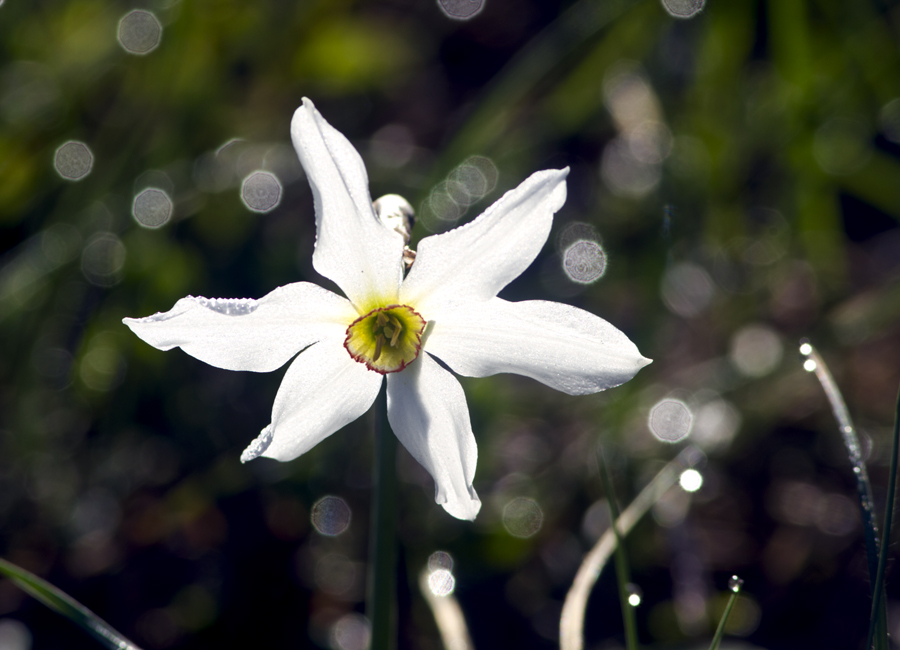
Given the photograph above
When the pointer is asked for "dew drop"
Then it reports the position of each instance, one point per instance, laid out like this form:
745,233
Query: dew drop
522,517
670,420
102,259
809,365
73,161
461,9
152,208
584,261
440,560
330,516
735,584
683,8
634,594
230,306
258,447
441,582
261,192
139,32
351,632
690,480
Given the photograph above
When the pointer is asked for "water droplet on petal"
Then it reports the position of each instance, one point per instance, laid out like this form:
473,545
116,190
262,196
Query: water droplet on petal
230,306
258,447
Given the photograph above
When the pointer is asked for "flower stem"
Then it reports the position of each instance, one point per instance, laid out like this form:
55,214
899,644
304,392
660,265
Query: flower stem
383,533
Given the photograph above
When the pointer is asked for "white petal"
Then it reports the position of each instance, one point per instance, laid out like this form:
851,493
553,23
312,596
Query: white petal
428,413
561,346
475,261
353,248
258,335
323,390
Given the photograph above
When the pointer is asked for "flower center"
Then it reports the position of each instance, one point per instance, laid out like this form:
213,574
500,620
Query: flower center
386,339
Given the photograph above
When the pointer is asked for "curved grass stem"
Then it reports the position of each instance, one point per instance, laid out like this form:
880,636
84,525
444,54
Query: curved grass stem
814,363
571,624
64,604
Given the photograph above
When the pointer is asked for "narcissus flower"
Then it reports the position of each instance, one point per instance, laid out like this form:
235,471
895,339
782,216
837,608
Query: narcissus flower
394,325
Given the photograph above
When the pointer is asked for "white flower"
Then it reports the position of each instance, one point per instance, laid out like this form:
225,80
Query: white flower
348,345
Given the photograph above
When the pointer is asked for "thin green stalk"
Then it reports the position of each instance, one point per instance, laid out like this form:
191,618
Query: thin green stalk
382,590
735,585
64,604
815,363
623,575
877,600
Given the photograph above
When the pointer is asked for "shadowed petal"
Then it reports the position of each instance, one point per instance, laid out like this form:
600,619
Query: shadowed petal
475,261
353,248
322,391
428,413
561,346
258,335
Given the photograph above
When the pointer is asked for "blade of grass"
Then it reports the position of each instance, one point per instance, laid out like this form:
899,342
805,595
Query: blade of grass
451,622
623,574
877,600
64,604
571,623
735,585
814,363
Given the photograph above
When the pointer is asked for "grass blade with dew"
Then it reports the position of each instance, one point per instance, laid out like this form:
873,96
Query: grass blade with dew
448,615
814,363
878,592
623,574
734,585
64,604
571,624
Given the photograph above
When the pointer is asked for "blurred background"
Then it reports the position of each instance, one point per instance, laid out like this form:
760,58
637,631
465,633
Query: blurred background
734,186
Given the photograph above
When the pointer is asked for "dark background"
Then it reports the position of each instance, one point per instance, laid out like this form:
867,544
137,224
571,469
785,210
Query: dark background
739,168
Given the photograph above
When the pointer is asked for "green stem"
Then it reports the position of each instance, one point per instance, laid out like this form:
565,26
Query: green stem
383,533
875,620
623,575
720,631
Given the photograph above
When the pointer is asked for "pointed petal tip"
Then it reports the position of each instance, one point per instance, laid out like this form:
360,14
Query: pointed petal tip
462,508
